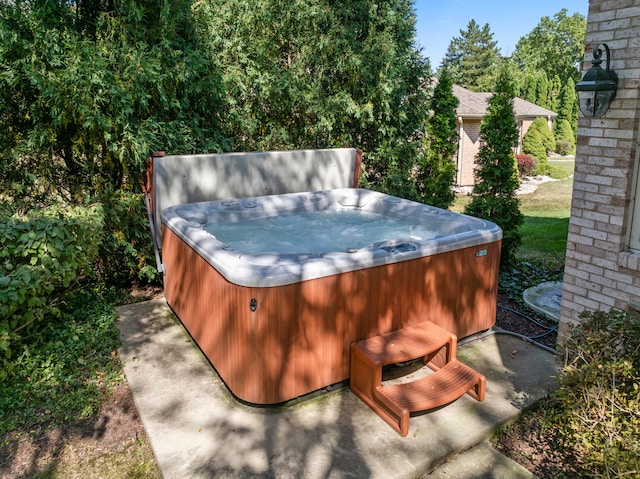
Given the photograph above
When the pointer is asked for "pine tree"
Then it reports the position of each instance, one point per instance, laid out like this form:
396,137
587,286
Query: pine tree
494,194
473,57
533,145
436,170
554,93
542,90
565,141
528,91
568,105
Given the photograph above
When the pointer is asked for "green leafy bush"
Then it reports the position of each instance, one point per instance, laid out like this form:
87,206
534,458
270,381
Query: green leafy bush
600,393
42,253
565,140
564,148
63,368
127,250
533,145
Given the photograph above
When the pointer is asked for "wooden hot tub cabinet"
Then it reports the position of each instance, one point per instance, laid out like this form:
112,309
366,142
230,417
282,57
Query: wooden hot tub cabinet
273,344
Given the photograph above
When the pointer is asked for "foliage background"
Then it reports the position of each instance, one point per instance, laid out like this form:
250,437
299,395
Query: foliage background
89,89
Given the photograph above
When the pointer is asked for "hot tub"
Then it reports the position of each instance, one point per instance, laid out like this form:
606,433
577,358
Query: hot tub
274,297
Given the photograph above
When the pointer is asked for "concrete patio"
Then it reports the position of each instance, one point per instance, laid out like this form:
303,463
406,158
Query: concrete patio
198,430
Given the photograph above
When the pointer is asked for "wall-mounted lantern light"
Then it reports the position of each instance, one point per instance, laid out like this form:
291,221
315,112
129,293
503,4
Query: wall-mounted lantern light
598,87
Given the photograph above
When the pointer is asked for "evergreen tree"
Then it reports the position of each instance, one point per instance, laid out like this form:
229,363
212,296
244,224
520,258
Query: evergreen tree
472,58
436,171
538,89
554,93
568,105
529,91
494,194
542,126
565,141
88,92
533,145
309,74
542,90
538,142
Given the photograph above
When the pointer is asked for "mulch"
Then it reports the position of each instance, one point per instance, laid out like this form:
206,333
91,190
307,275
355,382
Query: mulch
513,317
528,441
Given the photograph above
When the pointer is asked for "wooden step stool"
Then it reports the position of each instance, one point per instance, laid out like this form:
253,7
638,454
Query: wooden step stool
393,403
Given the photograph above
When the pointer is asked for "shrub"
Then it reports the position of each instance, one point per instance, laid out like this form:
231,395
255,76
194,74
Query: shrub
548,140
565,140
526,165
538,142
600,392
557,172
127,250
42,253
564,148
63,369
533,145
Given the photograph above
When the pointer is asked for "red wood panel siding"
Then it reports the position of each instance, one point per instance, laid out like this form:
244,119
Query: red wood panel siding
298,339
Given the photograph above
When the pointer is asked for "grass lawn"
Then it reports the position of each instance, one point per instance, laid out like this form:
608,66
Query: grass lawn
546,214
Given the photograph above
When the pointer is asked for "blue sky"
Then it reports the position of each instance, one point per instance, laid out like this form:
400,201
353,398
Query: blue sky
441,20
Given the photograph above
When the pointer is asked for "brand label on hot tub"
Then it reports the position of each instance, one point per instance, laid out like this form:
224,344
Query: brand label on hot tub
481,252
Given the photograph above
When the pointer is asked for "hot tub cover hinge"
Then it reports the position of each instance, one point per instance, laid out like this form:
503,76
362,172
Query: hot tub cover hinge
159,265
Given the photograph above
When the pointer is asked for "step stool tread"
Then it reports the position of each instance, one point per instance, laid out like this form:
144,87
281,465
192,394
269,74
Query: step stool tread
405,344
442,387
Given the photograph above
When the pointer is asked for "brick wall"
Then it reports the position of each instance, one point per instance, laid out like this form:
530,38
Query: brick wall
468,148
600,270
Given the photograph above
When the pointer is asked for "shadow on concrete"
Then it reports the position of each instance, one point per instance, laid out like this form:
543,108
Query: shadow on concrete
197,429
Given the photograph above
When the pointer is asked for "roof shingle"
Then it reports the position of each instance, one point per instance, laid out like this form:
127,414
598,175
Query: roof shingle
474,104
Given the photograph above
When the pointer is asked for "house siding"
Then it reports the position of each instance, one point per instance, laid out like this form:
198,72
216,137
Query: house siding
469,145
472,107
523,127
600,271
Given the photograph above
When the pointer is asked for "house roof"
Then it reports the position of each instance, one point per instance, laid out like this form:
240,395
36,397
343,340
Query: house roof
473,104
